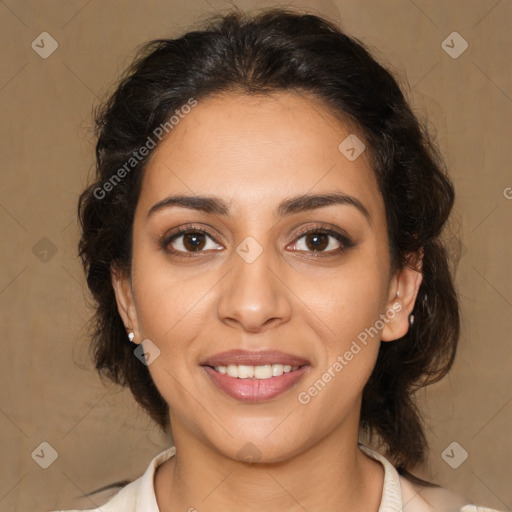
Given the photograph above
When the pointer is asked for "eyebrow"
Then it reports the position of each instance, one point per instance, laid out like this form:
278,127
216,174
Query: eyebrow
289,206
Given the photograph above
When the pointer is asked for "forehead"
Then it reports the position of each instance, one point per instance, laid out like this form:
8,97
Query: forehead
257,149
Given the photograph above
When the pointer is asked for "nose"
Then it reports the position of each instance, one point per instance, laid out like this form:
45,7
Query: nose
253,297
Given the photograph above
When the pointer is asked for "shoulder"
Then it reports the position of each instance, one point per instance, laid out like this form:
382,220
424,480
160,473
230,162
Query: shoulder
435,499
421,498
438,499
137,496
113,500
474,508
401,495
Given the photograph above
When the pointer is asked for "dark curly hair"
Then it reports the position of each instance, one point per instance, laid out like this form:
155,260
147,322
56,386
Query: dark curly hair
281,50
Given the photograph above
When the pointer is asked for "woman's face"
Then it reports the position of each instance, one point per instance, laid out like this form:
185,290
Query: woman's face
245,278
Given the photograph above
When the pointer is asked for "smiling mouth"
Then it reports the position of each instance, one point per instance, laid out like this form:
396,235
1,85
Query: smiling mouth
255,376
255,384
261,372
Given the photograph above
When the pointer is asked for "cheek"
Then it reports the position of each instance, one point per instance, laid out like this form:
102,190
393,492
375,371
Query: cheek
349,303
349,299
169,299
335,385
169,307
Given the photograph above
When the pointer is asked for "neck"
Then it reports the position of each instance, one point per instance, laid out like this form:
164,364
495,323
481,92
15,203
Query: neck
332,475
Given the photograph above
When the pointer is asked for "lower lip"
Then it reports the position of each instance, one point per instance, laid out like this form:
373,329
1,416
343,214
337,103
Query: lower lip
255,390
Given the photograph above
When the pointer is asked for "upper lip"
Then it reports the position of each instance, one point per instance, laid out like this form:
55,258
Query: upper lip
254,358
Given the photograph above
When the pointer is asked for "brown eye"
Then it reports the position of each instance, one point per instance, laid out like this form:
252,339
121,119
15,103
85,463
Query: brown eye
189,240
317,241
321,240
193,241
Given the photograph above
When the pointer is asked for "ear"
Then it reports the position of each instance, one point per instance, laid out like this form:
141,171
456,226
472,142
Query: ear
122,285
403,290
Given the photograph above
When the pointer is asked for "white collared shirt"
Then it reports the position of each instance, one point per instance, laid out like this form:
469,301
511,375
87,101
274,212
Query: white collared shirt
398,494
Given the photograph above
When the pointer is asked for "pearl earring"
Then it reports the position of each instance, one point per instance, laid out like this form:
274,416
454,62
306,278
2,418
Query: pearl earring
131,337
411,319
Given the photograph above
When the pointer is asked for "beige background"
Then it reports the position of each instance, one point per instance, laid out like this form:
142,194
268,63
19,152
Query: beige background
49,392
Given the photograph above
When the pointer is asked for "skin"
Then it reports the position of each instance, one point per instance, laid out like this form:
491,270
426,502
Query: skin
254,152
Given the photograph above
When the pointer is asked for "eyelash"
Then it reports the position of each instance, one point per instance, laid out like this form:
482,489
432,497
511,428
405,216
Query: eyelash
345,242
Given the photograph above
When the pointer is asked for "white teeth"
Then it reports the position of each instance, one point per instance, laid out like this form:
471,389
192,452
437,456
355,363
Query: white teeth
277,369
265,371
232,370
245,372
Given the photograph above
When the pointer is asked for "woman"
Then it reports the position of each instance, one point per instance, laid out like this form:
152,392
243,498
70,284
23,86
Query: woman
262,242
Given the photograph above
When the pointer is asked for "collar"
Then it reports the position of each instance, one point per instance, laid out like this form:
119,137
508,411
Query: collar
391,500
398,494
